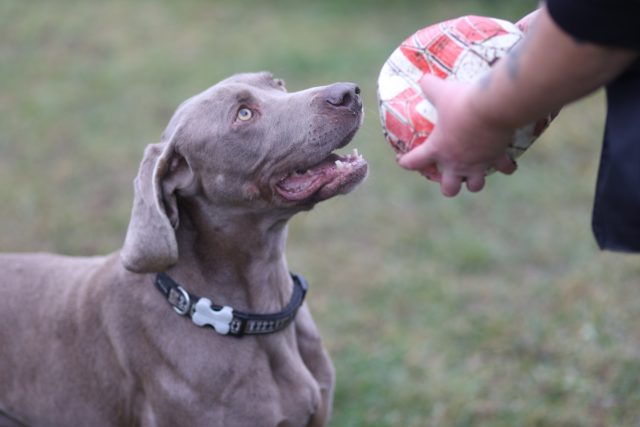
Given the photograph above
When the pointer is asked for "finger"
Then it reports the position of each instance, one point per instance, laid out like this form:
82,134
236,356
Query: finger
430,176
506,165
450,184
475,183
419,158
432,173
432,87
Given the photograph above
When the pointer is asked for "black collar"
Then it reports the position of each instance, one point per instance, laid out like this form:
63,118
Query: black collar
224,319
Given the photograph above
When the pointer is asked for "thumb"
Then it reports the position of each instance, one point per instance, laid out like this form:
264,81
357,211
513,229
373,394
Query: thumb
418,158
432,88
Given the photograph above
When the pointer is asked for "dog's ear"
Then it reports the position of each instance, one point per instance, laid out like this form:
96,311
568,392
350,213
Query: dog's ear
150,244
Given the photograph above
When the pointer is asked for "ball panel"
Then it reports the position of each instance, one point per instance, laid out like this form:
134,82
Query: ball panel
394,86
408,63
445,51
425,114
478,29
424,36
414,56
400,133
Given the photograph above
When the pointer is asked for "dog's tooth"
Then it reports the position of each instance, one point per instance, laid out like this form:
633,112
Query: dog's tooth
355,152
339,164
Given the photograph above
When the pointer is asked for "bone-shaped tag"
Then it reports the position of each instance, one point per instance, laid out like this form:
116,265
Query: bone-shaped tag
220,320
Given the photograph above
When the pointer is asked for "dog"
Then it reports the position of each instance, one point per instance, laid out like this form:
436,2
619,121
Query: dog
197,320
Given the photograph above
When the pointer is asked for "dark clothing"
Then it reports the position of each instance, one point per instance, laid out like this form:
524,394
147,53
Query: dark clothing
616,210
606,22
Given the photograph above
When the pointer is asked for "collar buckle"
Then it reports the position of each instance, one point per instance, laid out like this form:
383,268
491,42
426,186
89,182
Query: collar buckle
179,300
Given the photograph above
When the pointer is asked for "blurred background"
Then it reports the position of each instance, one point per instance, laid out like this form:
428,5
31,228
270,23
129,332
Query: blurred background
494,309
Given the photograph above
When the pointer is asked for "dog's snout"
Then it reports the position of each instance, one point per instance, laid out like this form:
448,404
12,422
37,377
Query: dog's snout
343,95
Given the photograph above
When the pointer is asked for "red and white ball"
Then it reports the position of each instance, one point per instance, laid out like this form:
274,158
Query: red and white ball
459,49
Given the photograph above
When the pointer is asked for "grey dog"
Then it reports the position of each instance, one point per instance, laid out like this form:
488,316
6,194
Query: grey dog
94,341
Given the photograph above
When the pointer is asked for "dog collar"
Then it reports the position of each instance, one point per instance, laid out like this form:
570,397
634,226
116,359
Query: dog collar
224,319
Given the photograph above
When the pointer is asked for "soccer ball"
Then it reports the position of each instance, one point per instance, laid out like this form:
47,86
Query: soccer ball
459,49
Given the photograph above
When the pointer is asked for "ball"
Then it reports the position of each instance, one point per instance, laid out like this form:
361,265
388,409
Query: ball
460,49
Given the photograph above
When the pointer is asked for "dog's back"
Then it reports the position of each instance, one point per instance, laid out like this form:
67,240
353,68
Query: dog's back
49,334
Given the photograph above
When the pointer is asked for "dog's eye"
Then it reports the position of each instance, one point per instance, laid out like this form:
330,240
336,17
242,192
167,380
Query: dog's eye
245,114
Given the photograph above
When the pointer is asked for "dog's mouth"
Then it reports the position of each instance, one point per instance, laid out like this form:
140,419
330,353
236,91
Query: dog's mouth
336,174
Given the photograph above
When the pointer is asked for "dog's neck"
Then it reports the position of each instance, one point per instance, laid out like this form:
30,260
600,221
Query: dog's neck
236,259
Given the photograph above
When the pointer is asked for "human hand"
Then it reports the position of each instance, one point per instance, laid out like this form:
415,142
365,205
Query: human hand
463,145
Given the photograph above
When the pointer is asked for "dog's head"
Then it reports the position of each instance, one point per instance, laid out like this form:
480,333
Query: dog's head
243,145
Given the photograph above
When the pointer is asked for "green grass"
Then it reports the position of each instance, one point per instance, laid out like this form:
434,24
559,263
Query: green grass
495,309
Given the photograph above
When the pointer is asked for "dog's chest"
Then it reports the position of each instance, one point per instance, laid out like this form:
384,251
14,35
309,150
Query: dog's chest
243,387
289,398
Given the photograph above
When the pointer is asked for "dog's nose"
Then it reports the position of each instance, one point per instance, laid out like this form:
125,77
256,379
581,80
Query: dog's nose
343,95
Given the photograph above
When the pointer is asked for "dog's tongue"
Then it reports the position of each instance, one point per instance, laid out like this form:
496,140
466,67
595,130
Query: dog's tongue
303,180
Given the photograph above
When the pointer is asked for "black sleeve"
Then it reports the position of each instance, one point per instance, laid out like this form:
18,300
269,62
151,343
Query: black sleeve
607,22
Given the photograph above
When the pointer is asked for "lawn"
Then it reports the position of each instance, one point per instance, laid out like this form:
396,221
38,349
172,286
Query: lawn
493,309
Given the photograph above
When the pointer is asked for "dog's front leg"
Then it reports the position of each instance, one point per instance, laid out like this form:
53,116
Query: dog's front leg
318,362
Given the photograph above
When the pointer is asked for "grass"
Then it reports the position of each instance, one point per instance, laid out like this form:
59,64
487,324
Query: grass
494,309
